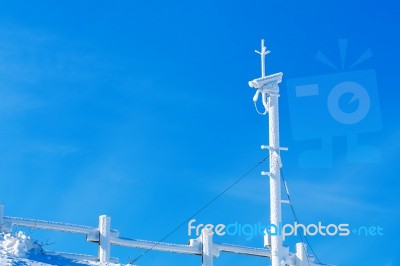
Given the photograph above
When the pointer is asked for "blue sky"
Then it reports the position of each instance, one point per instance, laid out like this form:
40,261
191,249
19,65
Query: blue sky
141,110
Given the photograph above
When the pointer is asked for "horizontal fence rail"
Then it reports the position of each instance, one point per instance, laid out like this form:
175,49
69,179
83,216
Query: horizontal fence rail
55,226
104,236
159,246
261,252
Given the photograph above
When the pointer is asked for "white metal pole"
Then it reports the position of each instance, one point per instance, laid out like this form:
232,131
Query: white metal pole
207,247
275,176
104,245
268,86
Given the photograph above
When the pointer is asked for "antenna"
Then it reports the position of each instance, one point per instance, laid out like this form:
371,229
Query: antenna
263,53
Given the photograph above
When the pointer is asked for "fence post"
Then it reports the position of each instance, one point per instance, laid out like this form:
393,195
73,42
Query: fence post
1,216
301,254
104,239
207,247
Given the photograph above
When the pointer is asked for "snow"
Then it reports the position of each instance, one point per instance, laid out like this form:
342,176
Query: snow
19,249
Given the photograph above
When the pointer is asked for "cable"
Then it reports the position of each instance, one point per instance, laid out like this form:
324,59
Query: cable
255,105
297,220
202,208
264,101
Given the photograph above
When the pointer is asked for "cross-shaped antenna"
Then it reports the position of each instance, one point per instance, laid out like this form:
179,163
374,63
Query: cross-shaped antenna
263,53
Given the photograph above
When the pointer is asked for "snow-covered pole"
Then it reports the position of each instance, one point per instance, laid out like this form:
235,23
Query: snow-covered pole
275,177
1,216
269,88
104,239
207,247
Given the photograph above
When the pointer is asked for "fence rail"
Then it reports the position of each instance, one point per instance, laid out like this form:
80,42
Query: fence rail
55,226
104,236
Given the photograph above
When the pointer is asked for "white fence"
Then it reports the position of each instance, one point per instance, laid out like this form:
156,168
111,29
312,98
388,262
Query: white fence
105,237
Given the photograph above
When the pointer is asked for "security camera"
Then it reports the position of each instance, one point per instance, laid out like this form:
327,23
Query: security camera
266,83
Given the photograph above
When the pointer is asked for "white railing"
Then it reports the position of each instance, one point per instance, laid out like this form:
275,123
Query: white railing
105,237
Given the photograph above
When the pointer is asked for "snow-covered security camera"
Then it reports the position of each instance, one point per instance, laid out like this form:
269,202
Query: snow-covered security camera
266,83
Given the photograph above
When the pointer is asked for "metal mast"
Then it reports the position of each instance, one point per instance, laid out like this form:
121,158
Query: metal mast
269,89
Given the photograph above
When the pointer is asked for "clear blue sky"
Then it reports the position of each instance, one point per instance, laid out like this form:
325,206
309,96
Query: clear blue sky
141,110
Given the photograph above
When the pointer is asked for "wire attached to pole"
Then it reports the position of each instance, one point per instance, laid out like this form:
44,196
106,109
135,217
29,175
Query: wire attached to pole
297,221
202,208
265,103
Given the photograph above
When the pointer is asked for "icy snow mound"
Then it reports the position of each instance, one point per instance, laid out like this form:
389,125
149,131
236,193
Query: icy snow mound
18,245
19,249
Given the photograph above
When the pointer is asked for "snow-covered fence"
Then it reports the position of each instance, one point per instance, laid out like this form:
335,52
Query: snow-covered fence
105,237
